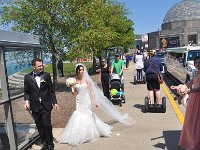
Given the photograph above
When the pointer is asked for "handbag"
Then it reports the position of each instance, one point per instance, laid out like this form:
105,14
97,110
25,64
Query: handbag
160,78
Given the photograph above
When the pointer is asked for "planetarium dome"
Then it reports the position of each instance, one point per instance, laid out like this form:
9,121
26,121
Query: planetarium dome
184,10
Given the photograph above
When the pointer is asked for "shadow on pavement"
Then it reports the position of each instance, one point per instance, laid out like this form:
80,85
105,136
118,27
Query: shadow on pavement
137,83
171,140
139,106
150,110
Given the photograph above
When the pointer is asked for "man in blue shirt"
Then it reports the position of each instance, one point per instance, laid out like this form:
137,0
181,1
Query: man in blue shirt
152,80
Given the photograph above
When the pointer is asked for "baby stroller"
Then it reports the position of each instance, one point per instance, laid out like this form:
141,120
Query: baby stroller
116,93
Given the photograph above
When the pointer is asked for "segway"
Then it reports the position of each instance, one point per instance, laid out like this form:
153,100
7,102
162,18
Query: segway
135,81
154,107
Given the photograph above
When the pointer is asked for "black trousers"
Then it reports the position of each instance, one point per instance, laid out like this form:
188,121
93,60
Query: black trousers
127,63
105,86
43,123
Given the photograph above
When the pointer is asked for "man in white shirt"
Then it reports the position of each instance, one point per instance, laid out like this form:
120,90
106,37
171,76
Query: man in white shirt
139,65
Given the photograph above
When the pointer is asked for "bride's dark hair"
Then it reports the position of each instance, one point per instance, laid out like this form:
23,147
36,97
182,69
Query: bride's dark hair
78,68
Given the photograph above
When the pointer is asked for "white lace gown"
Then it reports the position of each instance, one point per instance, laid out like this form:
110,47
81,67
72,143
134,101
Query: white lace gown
84,125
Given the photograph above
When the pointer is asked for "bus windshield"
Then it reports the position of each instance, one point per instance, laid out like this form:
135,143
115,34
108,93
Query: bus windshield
192,54
160,54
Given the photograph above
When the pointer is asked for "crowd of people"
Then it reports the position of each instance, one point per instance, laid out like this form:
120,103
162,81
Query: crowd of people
84,125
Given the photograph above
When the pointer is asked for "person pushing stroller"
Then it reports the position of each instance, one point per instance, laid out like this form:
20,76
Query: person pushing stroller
117,80
117,67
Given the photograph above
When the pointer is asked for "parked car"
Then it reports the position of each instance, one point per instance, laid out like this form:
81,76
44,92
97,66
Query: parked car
179,62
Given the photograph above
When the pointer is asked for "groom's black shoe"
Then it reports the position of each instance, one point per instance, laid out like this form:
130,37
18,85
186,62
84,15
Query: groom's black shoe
44,147
48,147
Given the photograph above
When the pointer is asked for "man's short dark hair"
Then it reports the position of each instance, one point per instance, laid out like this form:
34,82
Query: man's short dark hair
117,55
34,61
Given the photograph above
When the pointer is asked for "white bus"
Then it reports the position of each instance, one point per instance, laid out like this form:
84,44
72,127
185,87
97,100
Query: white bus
179,62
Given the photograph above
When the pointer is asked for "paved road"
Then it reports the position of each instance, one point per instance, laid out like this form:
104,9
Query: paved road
169,81
152,130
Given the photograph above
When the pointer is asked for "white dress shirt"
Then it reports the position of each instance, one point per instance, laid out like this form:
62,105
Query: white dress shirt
37,79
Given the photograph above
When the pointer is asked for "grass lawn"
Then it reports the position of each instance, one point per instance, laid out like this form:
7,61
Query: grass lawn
68,68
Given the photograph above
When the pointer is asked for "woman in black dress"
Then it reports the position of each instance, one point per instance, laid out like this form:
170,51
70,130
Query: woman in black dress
105,77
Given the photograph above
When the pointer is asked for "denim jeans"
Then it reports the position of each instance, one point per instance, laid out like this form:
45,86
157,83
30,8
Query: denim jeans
139,74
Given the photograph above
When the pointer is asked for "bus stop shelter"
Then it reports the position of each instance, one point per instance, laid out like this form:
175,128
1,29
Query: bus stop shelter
17,50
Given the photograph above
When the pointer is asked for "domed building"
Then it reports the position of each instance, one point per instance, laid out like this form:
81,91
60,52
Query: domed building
180,27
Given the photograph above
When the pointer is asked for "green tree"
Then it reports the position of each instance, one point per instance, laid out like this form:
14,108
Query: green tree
83,26
99,25
43,18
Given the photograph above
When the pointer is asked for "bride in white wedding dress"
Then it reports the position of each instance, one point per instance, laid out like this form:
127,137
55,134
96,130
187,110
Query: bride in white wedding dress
84,125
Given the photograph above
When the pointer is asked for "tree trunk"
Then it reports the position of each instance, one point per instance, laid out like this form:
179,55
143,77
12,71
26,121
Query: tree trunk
94,64
53,50
100,59
55,82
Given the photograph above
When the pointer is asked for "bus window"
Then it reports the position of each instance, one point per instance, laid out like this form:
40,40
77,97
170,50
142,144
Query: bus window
193,54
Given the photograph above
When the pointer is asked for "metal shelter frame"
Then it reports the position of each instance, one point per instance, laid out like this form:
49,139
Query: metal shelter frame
12,42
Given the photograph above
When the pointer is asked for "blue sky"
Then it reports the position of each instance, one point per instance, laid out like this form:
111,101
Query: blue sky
148,14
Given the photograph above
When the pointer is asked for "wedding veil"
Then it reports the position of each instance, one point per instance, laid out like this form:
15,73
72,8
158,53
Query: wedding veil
102,101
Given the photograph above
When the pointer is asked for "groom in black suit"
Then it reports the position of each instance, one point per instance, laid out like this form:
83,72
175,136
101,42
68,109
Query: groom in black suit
40,98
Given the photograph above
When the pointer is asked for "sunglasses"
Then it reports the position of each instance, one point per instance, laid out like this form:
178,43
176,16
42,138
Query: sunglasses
103,61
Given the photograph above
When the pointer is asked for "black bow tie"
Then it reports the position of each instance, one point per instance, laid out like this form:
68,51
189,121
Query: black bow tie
38,74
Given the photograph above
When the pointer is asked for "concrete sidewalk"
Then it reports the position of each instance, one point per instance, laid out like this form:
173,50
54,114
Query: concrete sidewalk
151,131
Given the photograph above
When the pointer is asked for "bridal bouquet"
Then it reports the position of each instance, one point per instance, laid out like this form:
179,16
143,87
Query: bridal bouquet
182,91
70,82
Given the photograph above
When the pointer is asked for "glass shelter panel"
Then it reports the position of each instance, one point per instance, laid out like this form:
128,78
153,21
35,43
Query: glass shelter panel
1,79
24,124
0,91
18,63
4,141
2,75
